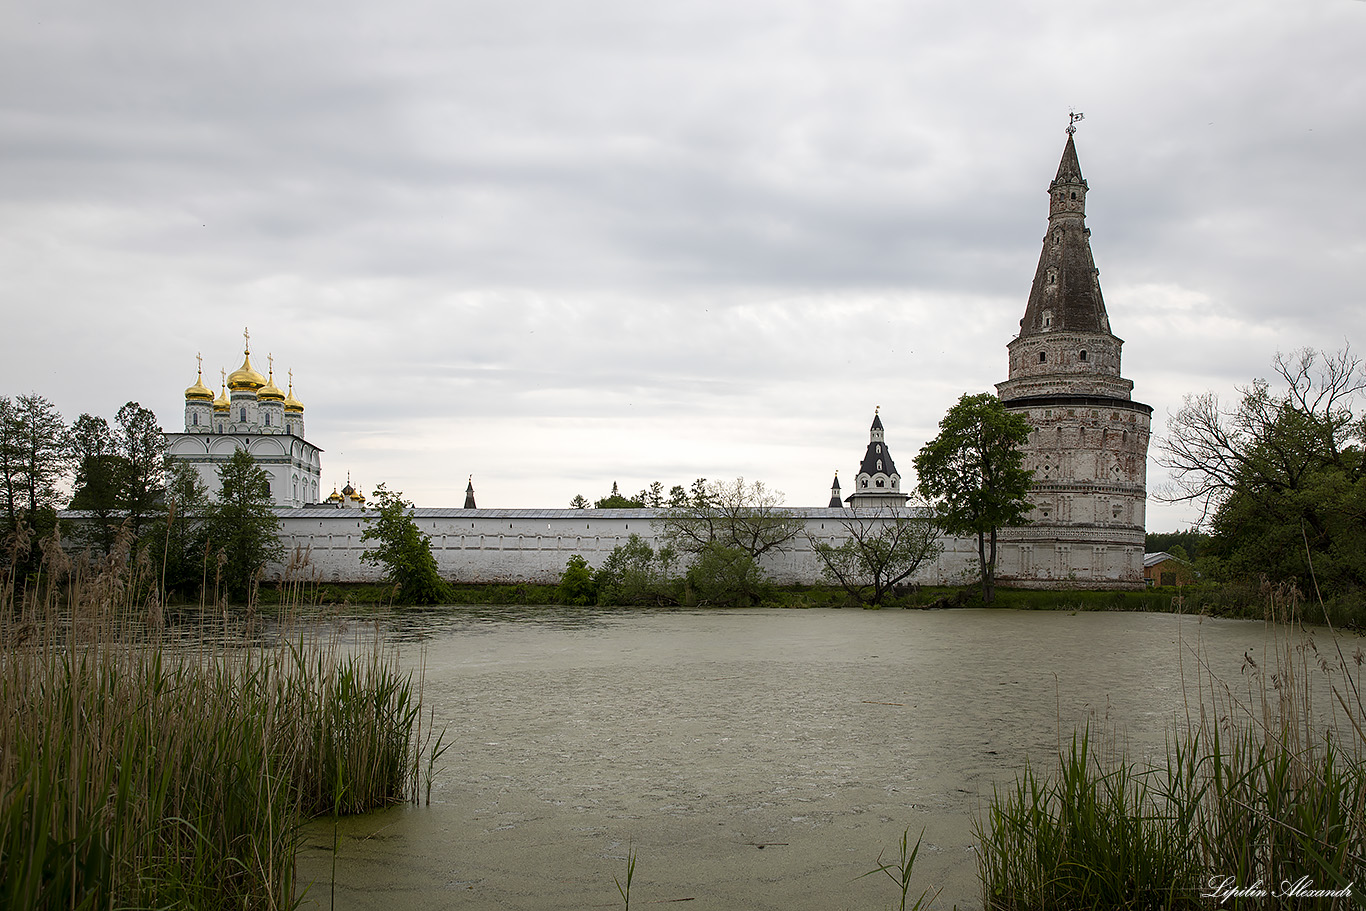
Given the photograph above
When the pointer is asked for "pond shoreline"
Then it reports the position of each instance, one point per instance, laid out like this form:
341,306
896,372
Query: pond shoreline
1228,601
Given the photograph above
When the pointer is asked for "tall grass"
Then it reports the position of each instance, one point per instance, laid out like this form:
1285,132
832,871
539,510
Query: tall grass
1261,790
139,770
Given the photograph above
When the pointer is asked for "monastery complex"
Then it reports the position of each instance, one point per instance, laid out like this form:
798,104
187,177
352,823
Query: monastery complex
1088,450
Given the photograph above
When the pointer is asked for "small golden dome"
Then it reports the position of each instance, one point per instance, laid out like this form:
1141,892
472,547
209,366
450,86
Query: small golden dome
270,392
221,403
334,497
199,392
291,403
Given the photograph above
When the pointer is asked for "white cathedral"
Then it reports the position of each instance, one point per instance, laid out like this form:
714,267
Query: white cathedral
254,414
1088,450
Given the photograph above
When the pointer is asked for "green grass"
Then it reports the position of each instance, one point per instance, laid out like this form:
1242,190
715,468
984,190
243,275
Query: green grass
1256,790
137,771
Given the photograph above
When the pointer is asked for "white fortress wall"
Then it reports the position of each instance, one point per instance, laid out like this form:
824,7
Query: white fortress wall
533,545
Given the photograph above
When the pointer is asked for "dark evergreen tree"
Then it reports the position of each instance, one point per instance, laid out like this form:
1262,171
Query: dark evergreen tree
177,538
615,500
35,459
141,443
99,478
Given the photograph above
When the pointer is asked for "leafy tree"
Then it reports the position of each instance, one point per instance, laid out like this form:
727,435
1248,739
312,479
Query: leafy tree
634,573
1281,476
576,584
733,514
615,500
1190,542
726,576
974,477
241,527
579,502
881,548
403,550
1272,441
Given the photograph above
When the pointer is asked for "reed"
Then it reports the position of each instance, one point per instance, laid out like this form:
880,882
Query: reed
900,872
1260,790
140,768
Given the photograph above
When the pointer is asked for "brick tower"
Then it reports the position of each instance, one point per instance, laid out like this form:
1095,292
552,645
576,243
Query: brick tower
1089,445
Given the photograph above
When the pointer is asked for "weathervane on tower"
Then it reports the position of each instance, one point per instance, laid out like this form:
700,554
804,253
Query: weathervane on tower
1073,117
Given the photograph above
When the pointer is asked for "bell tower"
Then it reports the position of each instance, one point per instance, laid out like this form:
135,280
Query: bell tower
1089,444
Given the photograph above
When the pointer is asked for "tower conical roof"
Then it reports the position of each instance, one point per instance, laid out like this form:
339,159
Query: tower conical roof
1069,169
1065,296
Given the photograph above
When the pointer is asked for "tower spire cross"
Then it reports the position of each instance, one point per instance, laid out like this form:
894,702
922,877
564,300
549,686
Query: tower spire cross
246,340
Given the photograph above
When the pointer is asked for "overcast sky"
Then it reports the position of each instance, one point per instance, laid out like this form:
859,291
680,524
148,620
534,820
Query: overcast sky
559,243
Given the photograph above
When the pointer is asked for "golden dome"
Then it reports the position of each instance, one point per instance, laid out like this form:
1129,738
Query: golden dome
270,392
221,403
334,497
245,377
291,403
199,392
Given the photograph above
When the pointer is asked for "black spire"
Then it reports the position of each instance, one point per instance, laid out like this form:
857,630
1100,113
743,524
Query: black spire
469,495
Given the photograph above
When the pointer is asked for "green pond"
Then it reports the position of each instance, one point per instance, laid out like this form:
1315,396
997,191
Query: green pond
750,759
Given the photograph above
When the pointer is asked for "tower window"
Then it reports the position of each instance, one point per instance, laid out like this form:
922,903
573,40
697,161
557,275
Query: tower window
267,418
1043,357
879,482
244,415
196,420
1082,355
879,464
